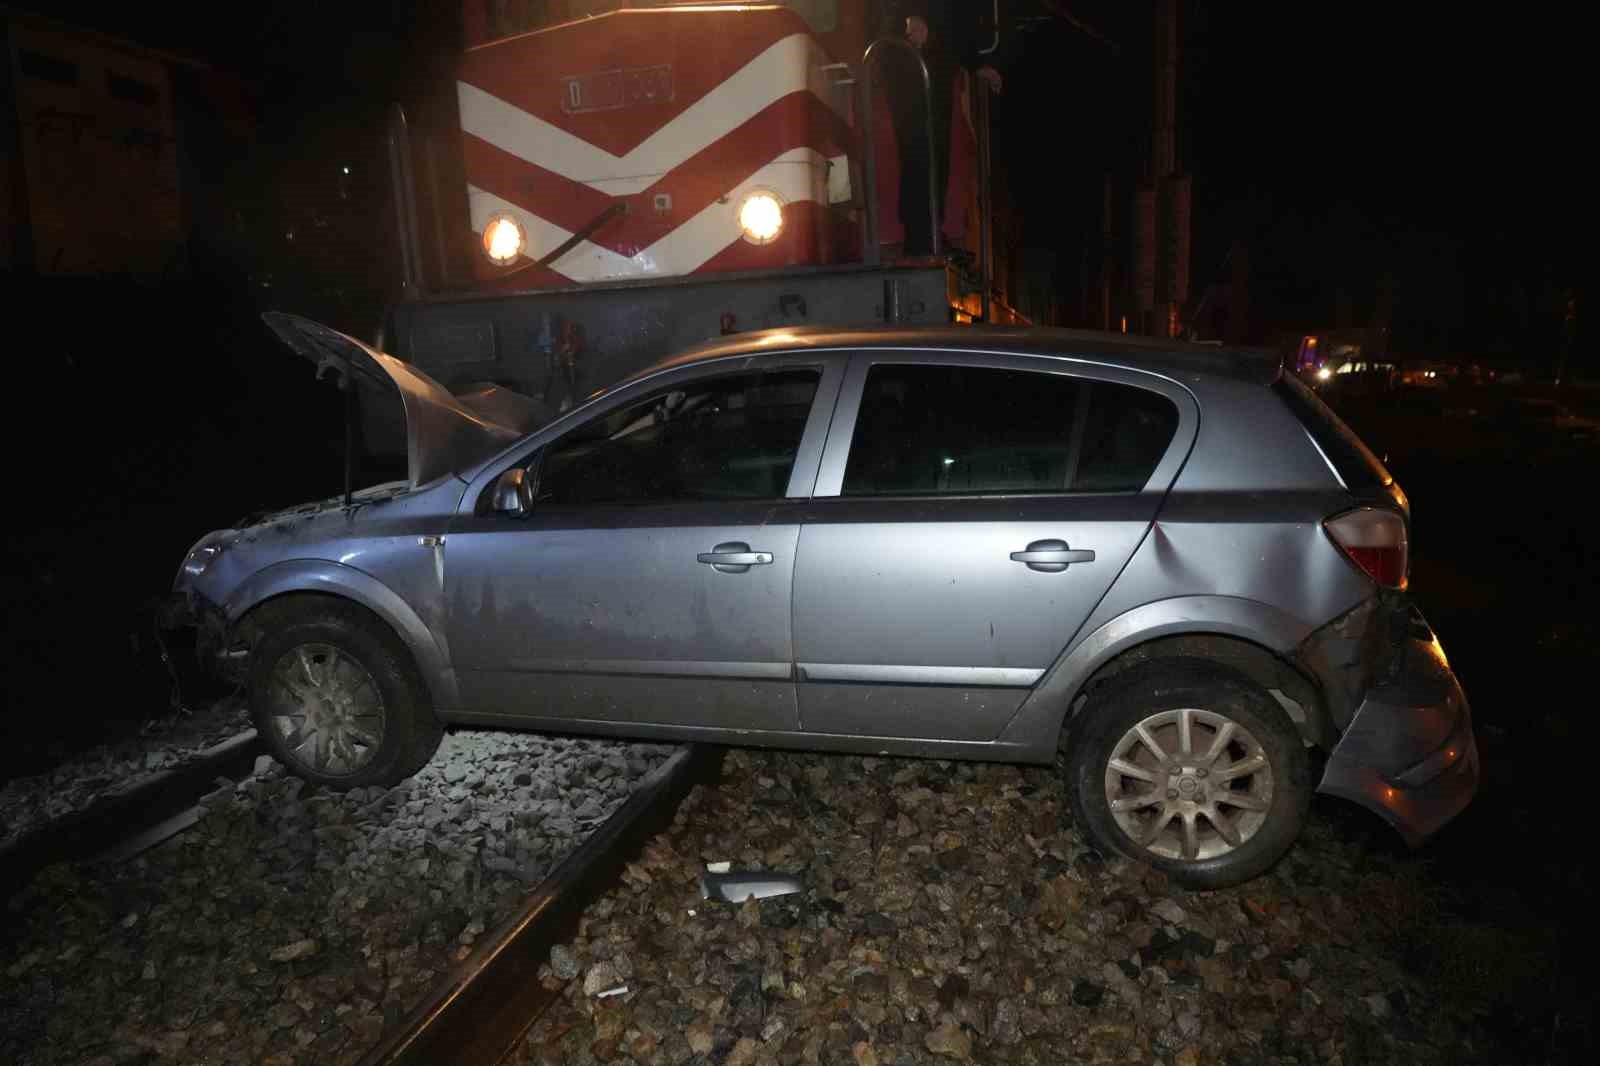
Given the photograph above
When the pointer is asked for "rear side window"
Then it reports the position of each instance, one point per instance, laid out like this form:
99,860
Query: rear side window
963,431
1354,461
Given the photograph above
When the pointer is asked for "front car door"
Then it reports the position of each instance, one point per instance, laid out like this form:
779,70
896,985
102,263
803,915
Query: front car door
970,511
650,584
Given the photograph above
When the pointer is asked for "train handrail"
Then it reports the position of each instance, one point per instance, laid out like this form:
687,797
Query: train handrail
985,197
403,184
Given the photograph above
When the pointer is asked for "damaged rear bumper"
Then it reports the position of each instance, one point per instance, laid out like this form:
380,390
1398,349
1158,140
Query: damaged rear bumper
1408,753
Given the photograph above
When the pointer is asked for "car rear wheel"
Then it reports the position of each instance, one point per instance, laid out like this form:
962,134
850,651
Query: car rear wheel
337,698
1190,768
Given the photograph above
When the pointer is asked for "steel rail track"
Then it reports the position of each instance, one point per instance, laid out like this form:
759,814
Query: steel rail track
121,824
479,1011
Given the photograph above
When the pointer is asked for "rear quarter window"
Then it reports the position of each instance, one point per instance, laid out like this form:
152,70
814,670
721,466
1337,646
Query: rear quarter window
1351,458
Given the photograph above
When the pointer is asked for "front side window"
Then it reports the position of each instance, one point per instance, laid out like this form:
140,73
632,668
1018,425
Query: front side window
957,430
727,438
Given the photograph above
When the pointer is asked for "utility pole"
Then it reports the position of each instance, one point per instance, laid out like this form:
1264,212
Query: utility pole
1569,335
1161,205
1239,290
1108,252
1382,316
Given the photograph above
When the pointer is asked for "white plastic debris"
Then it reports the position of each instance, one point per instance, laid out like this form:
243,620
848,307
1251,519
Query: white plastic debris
736,886
607,993
717,867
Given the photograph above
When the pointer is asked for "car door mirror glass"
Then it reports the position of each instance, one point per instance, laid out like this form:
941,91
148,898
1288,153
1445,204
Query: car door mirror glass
513,493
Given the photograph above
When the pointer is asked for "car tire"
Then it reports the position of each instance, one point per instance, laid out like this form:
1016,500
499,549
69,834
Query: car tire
337,697
1218,814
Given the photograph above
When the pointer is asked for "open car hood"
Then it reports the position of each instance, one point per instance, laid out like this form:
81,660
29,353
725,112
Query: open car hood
444,433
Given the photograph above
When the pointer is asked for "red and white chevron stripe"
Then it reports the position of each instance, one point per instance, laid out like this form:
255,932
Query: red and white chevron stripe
746,104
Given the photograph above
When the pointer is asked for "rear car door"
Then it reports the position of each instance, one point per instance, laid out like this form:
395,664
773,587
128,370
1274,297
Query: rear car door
650,583
970,511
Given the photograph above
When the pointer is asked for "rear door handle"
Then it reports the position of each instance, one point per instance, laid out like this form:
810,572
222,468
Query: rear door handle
1052,556
734,557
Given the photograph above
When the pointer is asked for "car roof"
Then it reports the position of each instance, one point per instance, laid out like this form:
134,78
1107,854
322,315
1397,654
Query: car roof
1172,358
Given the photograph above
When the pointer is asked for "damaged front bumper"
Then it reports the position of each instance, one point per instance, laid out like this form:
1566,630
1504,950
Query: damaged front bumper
215,646
1408,752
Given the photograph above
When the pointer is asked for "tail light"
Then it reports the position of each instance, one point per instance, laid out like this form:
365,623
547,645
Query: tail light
1374,540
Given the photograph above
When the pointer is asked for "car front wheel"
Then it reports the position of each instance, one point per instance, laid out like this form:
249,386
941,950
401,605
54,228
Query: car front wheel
337,699
1190,768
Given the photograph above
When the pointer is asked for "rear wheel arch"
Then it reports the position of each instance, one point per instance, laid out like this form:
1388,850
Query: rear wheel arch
1247,659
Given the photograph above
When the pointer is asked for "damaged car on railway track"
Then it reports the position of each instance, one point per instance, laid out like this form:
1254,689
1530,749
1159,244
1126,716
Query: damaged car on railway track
1172,570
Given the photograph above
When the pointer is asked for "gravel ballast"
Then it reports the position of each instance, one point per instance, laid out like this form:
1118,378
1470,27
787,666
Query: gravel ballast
953,913
293,924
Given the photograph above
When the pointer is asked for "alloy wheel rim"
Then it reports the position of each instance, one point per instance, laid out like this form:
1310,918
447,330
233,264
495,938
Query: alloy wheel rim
1189,784
327,709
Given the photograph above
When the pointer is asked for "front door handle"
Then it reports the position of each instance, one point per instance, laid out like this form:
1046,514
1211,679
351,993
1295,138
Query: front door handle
1052,556
734,557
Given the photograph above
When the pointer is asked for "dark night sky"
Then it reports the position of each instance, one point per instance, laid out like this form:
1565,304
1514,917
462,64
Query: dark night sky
1342,142
1445,146
1461,124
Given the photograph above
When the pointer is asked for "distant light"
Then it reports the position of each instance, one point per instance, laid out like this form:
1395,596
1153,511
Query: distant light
1124,323
761,216
708,7
503,240
1324,374
346,170
947,462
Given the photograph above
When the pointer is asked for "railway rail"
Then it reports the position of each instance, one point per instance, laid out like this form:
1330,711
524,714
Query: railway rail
121,824
477,1013
479,1009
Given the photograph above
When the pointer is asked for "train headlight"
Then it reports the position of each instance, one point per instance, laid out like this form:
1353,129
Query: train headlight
761,216
503,240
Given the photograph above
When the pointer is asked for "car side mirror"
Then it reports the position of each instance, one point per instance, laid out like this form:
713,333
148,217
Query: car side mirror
513,493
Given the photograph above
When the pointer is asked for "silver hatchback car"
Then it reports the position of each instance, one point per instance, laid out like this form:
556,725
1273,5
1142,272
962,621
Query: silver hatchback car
1172,569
